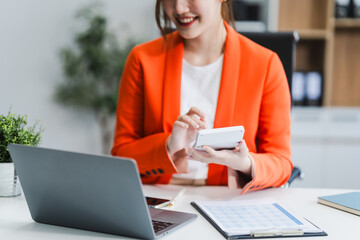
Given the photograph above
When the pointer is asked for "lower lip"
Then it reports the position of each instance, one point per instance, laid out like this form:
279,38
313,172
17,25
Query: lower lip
186,24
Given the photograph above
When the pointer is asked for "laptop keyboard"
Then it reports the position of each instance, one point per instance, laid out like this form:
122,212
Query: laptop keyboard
160,225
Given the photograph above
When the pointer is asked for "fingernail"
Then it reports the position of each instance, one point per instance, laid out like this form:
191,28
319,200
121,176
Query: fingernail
190,153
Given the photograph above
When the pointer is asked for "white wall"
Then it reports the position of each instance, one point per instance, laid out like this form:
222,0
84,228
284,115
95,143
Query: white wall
31,34
326,146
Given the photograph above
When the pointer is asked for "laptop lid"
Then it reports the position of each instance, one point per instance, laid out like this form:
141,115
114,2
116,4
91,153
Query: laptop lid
84,191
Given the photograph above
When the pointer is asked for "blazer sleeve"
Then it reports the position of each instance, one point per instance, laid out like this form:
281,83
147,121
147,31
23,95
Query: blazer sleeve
149,151
272,160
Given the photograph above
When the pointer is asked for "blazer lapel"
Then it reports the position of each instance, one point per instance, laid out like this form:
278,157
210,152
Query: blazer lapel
172,81
227,96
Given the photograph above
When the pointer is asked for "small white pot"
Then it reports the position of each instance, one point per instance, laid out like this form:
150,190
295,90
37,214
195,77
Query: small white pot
9,181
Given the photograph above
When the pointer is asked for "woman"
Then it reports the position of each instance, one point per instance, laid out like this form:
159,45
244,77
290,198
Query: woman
204,75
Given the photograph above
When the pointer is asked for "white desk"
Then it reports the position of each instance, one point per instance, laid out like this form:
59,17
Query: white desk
16,223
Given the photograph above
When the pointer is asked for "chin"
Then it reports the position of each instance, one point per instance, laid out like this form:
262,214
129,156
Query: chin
188,35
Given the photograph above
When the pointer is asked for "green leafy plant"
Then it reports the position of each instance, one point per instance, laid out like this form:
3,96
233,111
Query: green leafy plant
92,69
15,129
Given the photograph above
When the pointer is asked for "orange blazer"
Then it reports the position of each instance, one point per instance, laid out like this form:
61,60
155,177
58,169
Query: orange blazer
253,93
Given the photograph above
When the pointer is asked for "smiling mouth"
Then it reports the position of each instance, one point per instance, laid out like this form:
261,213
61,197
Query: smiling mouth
186,21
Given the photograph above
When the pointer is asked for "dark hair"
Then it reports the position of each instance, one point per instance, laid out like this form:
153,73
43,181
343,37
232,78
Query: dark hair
165,27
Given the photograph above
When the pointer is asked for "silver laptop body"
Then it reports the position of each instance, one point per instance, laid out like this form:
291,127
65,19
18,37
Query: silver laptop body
90,192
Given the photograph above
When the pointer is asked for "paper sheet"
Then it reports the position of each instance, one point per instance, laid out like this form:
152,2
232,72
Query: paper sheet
241,217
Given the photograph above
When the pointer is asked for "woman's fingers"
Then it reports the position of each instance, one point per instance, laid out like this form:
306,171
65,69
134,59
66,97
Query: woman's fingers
196,111
241,147
201,156
236,159
181,124
210,152
194,117
189,120
198,116
192,120
185,129
180,159
209,155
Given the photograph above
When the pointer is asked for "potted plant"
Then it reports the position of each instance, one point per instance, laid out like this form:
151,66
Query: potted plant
92,68
14,129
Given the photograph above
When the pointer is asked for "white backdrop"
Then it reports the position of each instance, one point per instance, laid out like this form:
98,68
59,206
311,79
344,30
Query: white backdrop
31,34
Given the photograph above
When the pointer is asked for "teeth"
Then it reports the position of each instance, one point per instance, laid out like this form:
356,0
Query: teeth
186,20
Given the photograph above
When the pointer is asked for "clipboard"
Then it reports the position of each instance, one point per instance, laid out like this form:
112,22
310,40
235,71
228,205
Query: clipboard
240,213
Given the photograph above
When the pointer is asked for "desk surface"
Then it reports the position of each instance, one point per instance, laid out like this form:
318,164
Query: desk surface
16,223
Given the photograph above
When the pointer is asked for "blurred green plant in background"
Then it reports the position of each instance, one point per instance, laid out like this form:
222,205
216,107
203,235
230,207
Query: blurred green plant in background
92,70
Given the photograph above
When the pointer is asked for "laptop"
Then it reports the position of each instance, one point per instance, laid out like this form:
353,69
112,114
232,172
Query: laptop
90,192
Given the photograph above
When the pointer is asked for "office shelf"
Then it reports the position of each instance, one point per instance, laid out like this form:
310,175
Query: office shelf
347,23
328,45
313,34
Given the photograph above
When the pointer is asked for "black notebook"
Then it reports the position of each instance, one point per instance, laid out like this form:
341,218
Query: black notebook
243,219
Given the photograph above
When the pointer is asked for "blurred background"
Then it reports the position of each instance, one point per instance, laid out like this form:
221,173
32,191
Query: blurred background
326,84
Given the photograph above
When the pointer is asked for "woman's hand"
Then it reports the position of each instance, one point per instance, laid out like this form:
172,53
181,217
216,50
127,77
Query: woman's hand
237,159
183,134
